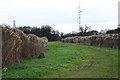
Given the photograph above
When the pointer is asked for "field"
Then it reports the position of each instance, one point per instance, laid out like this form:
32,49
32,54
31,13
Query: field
67,60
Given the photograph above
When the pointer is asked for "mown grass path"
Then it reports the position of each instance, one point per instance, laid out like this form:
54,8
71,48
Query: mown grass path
67,60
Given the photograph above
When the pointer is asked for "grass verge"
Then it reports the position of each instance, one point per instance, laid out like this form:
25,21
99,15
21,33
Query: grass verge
67,60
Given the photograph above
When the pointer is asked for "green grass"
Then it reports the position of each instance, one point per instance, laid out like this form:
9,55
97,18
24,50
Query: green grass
67,60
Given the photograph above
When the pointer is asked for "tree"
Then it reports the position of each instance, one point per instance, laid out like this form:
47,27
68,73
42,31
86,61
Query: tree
93,32
113,31
62,35
55,35
86,28
44,31
82,30
26,29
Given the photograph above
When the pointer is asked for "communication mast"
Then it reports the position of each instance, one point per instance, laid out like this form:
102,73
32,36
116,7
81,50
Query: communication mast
14,25
79,15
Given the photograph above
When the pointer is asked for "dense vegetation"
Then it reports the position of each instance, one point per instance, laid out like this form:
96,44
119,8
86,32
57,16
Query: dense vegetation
113,31
44,31
93,32
66,60
54,35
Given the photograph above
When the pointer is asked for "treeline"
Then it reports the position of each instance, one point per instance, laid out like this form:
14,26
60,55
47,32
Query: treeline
93,32
53,35
113,31
44,31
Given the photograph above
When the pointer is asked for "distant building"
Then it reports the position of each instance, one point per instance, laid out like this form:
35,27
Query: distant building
74,32
14,25
118,25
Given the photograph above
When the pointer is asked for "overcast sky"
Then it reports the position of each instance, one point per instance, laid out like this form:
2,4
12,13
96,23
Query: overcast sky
60,14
